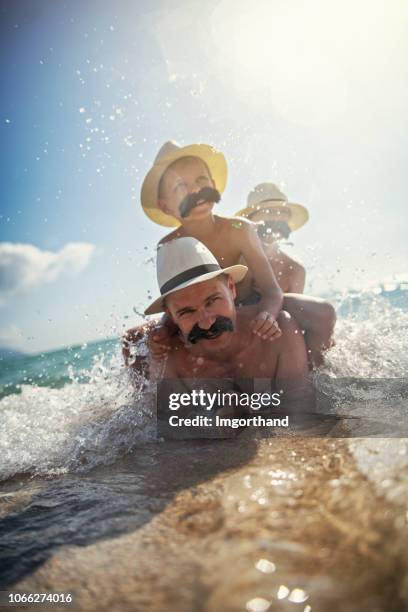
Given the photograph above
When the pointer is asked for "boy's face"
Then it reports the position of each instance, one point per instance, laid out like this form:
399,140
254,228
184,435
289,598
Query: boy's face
201,306
274,213
272,218
183,177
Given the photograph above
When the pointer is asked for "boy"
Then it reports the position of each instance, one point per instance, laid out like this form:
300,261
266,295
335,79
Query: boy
276,218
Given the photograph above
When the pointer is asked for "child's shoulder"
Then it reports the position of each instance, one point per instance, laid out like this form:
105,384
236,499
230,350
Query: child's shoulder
235,223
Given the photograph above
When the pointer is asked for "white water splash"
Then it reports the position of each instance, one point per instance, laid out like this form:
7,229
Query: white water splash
50,431
85,424
371,346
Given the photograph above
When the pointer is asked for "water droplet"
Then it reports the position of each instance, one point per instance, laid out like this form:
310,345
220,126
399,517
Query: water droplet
258,604
283,592
298,596
265,566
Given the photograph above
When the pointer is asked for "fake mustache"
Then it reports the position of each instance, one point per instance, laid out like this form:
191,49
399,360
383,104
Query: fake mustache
220,325
206,194
269,229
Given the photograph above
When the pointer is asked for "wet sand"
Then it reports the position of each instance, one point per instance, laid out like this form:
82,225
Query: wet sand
294,526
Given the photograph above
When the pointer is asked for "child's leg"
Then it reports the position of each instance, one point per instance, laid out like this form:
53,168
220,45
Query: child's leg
317,318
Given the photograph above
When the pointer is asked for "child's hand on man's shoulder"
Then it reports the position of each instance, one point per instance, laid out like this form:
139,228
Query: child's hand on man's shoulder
266,326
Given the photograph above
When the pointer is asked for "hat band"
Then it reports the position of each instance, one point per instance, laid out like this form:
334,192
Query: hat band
273,200
187,275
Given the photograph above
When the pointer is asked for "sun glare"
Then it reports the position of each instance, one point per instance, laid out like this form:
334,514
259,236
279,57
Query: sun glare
307,59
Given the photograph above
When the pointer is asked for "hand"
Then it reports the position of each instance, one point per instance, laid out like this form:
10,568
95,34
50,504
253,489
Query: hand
159,342
265,326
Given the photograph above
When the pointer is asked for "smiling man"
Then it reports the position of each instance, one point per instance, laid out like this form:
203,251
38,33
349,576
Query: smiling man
214,338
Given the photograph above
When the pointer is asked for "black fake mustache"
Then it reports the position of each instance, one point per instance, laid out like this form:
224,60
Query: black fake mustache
206,194
268,228
220,325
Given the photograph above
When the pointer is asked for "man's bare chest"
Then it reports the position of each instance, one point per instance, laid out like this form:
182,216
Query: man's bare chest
255,361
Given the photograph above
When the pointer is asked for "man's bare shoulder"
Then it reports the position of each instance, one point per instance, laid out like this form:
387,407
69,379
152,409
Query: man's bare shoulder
174,234
180,363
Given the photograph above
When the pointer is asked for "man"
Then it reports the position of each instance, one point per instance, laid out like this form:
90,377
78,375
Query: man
215,339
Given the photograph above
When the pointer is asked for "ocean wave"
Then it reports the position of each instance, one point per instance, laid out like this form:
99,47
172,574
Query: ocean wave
371,341
52,431
100,414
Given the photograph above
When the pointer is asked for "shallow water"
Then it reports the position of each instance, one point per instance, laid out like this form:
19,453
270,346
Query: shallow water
229,525
86,485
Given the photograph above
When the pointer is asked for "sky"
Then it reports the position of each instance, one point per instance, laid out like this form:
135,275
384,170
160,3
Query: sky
311,95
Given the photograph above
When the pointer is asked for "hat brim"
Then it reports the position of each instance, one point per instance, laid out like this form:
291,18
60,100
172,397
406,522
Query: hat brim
299,216
237,273
217,166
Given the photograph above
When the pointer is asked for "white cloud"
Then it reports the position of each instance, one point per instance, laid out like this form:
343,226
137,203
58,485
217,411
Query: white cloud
24,266
10,335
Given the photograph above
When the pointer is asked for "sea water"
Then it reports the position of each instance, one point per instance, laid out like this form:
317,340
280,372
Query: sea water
80,460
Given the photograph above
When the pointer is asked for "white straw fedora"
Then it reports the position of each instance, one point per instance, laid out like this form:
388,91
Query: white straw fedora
186,261
267,196
168,154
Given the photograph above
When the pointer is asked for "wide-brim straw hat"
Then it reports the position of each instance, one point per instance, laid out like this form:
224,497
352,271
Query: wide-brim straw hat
183,262
267,196
168,154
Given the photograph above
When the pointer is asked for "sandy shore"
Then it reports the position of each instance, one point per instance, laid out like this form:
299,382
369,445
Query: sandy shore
297,525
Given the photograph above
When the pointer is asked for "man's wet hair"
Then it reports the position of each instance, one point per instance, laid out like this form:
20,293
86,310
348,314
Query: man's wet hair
183,160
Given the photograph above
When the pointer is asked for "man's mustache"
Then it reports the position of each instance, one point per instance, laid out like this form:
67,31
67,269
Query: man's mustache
206,194
220,325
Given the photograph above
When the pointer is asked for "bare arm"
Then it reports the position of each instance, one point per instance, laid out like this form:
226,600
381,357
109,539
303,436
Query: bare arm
292,373
297,275
255,258
129,340
297,281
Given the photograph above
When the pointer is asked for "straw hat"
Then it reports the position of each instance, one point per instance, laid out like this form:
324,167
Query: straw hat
267,196
168,154
186,261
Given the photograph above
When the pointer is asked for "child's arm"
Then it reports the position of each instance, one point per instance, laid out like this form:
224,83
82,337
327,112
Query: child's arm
293,273
160,338
297,278
264,277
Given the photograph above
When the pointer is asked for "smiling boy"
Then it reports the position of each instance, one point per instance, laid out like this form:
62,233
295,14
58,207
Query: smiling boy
276,219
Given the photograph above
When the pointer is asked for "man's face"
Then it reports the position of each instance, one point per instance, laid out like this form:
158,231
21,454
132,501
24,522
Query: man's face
201,305
182,178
